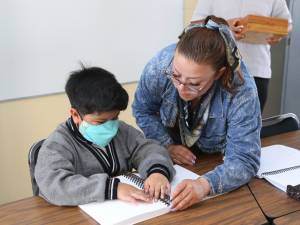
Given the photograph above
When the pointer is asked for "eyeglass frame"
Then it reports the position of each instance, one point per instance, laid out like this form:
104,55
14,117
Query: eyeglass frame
170,74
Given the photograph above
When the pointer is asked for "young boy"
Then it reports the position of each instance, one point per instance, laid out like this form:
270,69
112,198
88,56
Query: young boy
77,163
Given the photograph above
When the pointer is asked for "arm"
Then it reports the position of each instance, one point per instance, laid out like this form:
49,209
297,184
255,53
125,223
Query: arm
61,184
147,101
147,156
152,161
242,151
147,104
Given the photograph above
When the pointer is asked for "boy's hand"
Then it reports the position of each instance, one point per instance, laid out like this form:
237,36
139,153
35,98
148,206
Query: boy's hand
129,193
157,185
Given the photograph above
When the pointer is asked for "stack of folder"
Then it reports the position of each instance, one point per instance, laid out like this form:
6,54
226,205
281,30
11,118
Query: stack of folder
258,28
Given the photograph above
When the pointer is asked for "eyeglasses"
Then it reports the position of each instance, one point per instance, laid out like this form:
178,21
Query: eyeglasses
195,88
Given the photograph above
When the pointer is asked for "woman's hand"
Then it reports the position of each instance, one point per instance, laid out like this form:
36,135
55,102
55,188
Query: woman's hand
157,185
181,155
189,192
129,193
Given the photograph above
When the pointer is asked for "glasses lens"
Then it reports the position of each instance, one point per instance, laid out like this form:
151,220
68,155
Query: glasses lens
193,88
177,82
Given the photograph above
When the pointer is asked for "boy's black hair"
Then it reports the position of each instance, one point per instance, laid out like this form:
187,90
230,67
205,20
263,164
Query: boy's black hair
93,90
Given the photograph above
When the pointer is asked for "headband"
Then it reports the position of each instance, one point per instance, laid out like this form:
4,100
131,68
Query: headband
232,53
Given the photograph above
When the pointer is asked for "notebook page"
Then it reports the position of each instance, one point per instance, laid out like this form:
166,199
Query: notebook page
117,212
181,174
121,213
277,157
281,180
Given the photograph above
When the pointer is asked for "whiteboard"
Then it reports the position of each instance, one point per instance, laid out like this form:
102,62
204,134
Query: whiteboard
42,41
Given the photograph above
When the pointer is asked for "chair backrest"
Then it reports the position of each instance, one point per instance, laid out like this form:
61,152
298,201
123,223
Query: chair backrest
279,124
32,159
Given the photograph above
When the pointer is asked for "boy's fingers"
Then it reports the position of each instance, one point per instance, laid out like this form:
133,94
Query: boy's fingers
131,199
140,196
162,191
157,192
151,191
146,188
168,189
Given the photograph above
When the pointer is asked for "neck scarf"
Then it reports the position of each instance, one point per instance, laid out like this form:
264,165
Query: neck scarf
191,122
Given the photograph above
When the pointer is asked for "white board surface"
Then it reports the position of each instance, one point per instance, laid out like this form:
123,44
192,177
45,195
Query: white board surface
42,41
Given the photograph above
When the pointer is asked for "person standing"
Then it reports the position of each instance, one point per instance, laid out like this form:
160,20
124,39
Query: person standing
256,56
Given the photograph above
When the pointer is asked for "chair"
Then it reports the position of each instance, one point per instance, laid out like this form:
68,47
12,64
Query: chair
32,158
279,124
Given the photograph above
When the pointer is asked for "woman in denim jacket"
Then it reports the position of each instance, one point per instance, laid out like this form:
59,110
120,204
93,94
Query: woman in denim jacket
198,94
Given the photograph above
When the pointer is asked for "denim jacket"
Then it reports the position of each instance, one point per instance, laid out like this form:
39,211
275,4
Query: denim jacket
233,126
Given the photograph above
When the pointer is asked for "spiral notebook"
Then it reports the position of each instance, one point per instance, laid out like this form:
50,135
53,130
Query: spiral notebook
280,165
116,212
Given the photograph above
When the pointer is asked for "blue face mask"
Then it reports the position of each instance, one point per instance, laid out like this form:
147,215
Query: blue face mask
100,134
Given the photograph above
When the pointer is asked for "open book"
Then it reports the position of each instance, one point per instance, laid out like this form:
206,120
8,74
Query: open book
121,212
280,165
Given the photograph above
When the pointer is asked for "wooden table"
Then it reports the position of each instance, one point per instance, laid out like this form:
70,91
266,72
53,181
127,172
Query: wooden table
36,211
275,203
290,219
237,207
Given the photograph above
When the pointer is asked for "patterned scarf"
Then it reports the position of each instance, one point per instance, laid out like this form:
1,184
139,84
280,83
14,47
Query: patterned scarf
191,122
232,53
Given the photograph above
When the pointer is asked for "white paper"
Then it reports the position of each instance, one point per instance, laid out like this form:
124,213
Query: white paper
116,212
276,157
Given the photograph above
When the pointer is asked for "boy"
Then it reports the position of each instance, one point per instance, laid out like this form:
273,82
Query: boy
77,163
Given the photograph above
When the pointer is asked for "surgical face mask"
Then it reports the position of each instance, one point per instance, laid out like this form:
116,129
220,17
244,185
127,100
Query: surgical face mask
100,134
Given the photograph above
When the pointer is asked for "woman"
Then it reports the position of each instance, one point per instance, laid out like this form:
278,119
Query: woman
199,95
